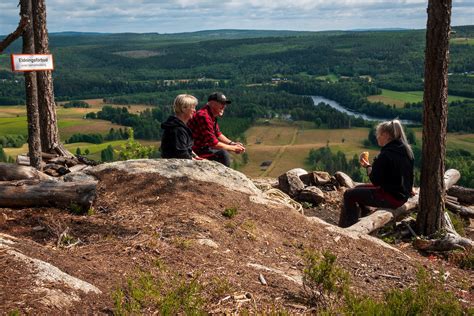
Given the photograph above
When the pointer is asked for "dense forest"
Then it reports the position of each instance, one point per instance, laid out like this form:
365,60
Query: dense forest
266,74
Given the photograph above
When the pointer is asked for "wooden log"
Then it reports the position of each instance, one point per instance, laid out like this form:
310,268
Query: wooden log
48,156
464,195
11,172
447,243
452,199
77,168
382,217
22,160
459,209
35,193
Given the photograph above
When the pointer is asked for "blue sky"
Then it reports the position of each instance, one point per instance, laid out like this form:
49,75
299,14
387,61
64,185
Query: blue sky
167,16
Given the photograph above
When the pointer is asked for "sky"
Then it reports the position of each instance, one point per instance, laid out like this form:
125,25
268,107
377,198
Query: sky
174,16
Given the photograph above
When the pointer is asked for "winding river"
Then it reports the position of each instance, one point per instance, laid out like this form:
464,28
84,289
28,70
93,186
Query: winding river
318,99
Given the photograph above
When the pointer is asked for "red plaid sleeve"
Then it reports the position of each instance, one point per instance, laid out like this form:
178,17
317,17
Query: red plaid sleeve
205,130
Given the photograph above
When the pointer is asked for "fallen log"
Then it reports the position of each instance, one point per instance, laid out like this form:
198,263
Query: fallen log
11,172
464,195
50,193
380,218
449,242
459,209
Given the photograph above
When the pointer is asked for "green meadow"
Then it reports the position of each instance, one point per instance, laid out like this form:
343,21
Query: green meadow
287,145
399,99
462,41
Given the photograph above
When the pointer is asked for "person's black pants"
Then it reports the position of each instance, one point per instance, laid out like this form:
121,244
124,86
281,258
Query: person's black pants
219,155
362,196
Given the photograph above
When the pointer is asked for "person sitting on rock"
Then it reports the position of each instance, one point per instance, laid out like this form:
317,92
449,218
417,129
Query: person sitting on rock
177,138
209,142
391,176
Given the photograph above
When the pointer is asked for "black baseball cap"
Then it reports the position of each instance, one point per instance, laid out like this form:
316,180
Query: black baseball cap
219,97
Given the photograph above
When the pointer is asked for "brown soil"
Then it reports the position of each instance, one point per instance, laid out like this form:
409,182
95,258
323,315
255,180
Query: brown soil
144,220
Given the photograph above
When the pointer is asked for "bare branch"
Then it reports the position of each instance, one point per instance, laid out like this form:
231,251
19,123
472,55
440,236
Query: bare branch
24,21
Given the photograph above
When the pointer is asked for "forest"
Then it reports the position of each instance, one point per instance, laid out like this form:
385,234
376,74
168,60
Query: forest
267,74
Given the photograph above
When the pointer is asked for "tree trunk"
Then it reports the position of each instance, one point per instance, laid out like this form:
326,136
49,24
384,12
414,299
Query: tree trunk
47,106
36,193
435,108
34,142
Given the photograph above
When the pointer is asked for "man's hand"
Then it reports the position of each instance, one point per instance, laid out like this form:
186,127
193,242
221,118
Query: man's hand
238,148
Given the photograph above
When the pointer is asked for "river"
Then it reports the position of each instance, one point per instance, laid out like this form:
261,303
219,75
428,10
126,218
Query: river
318,99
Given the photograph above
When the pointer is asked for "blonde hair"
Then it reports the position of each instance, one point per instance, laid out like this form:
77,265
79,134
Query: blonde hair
395,130
183,102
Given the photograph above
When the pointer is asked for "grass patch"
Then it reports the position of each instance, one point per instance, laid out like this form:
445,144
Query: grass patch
230,212
171,295
324,283
462,41
399,98
327,288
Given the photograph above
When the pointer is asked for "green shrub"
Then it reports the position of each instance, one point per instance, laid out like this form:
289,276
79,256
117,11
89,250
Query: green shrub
134,150
457,223
429,297
167,296
324,283
230,212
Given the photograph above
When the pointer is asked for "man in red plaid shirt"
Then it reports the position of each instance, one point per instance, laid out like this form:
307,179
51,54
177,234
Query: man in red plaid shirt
209,142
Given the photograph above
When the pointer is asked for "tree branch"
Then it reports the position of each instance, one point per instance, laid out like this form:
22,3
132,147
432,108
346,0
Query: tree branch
24,21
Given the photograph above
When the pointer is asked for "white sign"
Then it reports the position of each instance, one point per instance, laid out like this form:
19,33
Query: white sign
23,62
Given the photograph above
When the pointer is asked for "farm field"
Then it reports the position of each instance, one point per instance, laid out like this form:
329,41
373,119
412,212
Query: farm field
399,99
94,149
293,153
463,41
70,121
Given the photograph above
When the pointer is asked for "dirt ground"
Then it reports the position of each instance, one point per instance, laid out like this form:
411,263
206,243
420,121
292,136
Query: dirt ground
143,222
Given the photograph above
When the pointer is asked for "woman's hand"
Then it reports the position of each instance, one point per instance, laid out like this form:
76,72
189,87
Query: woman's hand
363,160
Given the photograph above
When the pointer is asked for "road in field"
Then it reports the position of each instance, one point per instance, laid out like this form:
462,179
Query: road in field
280,154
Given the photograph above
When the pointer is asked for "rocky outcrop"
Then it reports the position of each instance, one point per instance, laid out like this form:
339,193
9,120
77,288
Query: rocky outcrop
200,170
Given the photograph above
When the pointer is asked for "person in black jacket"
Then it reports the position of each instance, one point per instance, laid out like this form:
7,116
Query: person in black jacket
177,138
391,175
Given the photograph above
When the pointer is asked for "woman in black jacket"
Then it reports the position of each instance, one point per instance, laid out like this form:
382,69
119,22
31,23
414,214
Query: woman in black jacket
391,175
177,138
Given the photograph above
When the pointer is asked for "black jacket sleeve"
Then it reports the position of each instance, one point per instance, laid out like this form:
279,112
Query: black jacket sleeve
182,149
379,169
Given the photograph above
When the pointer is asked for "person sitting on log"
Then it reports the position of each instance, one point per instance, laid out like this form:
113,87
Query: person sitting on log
177,138
209,142
391,176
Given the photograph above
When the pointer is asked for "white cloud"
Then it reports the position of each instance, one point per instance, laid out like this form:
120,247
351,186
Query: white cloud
191,15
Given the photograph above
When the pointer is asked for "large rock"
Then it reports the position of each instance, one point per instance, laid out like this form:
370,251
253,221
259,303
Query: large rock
290,182
316,178
312,195
200,170
344,180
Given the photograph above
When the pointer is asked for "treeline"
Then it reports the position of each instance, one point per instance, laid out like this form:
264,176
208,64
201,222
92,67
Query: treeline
76,104
96,138
353,95
145,124
324,159
12,141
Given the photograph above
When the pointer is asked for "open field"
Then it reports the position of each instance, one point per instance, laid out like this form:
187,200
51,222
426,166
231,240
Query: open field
400,98
94,149
287,145
462,40
70,121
